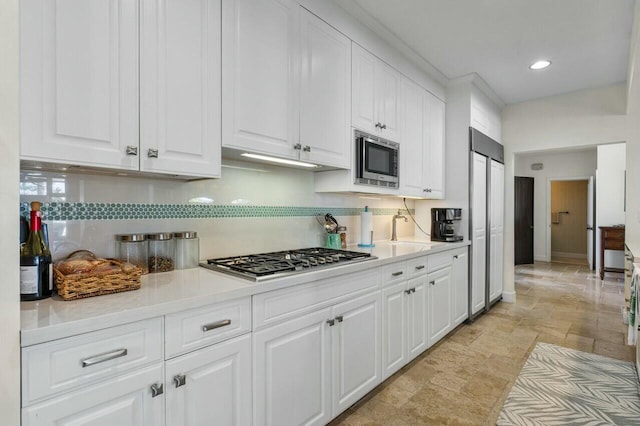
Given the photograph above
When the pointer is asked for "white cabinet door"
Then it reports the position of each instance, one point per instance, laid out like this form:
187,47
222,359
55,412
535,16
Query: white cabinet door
479,233
433,165
356,347
364,110
325,93
292,370
439,304
180,87
125,400
388,100
260,79
376,95
460,269
79,81
394,314
497,230
417,321
412,141
211,385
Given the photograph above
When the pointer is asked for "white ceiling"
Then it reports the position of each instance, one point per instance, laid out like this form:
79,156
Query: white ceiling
586,40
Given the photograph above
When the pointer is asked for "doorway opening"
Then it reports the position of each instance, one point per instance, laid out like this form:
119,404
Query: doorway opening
570,213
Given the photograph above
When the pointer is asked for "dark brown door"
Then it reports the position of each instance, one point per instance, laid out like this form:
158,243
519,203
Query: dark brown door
523,220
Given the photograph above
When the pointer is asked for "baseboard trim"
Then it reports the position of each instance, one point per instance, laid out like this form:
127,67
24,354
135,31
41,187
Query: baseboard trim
540,258
568,255
509,296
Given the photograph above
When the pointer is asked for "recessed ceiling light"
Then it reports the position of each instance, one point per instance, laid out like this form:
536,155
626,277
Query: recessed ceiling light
278,160
538,65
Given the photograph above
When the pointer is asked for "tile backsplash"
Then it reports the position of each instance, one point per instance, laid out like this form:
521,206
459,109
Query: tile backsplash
252,208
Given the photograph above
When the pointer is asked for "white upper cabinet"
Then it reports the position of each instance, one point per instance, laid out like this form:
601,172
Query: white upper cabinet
375,95
286,83
79,81
433,163
180,87
82,72
260,76
422,143
325,93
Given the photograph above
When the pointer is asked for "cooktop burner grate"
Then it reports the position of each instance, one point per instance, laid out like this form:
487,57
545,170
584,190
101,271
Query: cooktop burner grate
263,265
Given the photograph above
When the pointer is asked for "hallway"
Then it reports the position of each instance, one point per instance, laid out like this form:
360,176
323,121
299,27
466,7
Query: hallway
466,378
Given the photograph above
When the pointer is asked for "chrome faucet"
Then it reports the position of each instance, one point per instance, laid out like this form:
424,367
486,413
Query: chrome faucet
394,237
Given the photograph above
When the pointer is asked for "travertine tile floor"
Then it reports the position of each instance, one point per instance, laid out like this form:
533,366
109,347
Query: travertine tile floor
467,376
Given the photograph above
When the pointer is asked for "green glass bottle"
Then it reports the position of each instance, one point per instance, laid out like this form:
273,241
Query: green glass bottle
36,268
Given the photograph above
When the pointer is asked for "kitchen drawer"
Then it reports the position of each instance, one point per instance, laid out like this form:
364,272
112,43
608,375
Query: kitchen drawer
439,260
190,330
417,267
279,305
54,367
394,272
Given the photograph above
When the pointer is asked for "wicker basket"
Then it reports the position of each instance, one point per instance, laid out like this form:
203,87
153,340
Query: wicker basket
79,286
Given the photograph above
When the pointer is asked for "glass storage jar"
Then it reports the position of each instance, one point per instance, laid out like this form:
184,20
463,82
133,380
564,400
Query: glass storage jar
187,249
161,252
133,248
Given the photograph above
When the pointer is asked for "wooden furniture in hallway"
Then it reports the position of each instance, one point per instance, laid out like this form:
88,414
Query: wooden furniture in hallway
611,238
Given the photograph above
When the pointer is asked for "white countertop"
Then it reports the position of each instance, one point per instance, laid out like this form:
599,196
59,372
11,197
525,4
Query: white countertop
168,292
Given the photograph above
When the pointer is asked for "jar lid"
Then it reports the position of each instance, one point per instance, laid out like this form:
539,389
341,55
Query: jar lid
185,234
130,238
160,236
341,228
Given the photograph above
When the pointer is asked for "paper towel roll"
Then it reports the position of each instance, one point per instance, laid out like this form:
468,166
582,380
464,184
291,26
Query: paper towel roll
366,228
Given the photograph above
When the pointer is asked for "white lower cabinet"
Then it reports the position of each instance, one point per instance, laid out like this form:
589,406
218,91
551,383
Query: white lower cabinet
309,369
439,304
211,385
460,302
417,301
126,400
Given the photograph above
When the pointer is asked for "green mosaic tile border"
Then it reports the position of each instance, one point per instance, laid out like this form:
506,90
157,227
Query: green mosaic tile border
131,211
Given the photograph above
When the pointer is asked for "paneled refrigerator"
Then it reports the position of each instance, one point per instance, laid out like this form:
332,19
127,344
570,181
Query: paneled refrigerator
486,224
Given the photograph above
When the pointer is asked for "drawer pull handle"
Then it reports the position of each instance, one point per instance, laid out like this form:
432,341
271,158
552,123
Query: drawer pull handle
156,390
455,257
408,291
397,274
419,267
214,325
331,322
88,362
179,380
339,318
432,282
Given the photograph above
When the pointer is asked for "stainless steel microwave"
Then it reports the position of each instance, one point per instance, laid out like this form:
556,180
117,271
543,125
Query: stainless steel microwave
377,160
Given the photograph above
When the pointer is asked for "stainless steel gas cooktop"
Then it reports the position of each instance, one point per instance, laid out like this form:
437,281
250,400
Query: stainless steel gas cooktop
259,267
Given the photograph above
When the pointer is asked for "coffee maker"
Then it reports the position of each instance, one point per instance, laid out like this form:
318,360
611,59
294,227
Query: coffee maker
443,224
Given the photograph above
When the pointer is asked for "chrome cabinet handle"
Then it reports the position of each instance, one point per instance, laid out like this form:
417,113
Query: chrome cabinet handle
408,291
306,148
339,318
455,256
331,322
384,126
426,190
156,390
432,282
396,274
88,362
297,147
214,325
132,150
152,153
419,267
179,380
378,125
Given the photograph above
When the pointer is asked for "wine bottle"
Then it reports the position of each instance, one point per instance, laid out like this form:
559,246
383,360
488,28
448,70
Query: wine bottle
36,269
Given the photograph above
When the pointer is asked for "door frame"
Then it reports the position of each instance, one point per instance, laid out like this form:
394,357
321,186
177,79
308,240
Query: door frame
548,211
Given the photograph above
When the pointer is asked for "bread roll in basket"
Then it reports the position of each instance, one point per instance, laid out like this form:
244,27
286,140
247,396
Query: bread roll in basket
82,274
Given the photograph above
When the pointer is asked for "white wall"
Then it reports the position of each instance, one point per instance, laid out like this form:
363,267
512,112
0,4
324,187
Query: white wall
9,284
610,197
556,165
580,119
